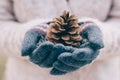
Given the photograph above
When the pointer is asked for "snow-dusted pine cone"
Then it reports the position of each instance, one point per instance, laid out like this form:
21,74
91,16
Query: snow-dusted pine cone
65,30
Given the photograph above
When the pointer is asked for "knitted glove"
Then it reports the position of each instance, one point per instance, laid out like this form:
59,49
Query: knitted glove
40,51
79,57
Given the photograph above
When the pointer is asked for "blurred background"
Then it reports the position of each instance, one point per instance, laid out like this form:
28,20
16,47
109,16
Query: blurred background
2,66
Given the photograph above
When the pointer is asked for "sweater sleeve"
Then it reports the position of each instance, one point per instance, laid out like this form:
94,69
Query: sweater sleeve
12,35
111,38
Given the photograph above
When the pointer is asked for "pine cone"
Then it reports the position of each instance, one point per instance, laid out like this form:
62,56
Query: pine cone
65,30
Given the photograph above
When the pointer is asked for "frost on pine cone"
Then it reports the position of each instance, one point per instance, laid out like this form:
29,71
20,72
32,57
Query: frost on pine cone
65,30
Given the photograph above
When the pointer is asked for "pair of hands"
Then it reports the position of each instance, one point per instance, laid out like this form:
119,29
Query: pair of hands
62,59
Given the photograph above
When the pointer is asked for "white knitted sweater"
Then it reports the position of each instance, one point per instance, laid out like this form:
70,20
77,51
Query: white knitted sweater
18,16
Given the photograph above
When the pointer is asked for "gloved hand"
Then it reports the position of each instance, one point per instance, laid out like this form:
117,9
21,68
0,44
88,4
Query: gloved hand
40,51
79,57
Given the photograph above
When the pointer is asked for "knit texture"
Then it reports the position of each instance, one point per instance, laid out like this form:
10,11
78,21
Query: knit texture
115,10
79,57
26,10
